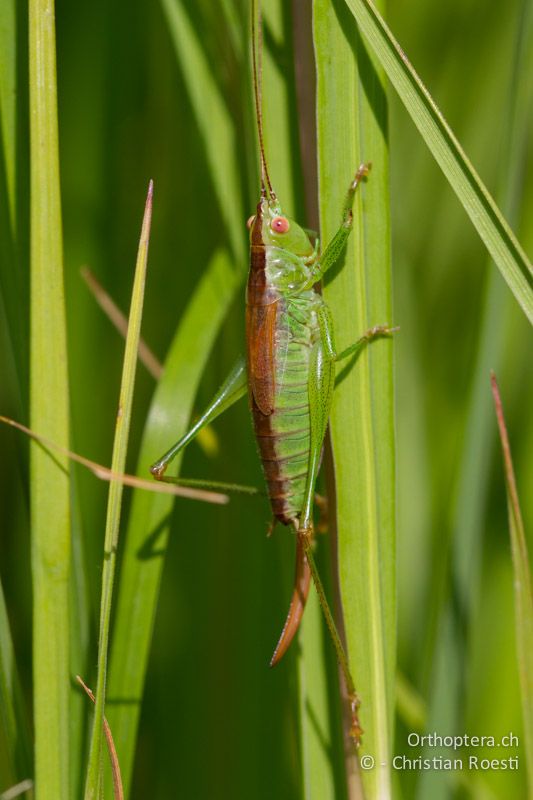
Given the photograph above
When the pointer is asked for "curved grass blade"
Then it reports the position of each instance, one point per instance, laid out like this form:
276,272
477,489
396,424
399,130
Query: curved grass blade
352,127
122,428
49,411
485,215
149,522
522,587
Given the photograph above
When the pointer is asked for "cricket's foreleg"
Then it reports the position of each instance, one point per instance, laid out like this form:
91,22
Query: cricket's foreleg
334,249
233,388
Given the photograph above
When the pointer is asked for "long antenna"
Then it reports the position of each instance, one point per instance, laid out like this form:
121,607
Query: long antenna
257,52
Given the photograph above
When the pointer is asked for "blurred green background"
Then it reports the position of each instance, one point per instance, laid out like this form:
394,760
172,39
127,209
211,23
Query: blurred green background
216,722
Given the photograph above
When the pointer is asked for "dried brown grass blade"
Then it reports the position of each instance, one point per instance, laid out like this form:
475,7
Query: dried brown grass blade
105,474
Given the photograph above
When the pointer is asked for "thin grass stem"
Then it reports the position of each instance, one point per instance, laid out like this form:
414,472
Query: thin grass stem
94,770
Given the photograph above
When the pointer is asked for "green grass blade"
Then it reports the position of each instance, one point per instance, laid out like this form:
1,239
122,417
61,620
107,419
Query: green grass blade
81,648
13,264
118,464
233,24
522,588
148,527
411,707
214,120
49,414
12,711
319,744
352,127
445,148
8,94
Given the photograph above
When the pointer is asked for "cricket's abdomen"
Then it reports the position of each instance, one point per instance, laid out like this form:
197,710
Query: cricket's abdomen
283,435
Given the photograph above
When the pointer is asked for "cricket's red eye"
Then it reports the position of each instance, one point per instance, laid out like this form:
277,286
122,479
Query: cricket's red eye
250,222
280,225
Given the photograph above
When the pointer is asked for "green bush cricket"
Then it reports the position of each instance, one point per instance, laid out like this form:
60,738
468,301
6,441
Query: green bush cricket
288,373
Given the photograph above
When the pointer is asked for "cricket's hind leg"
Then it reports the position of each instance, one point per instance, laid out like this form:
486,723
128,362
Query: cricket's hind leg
355,727
233,388
302,581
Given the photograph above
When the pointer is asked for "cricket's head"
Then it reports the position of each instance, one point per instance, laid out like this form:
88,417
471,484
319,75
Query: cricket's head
270,226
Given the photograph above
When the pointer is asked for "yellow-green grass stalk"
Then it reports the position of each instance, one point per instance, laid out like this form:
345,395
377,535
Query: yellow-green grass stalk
49,415
352,128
